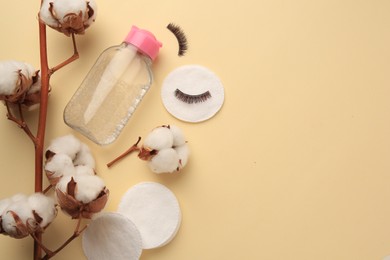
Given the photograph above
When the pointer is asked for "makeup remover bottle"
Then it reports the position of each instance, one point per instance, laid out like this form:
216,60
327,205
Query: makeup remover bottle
113,88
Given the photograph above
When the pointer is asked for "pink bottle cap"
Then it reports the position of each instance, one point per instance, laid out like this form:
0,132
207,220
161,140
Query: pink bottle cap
144,41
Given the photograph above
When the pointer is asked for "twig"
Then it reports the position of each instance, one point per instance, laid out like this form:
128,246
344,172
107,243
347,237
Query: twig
47,189
74,57
20,122
76,233
130,150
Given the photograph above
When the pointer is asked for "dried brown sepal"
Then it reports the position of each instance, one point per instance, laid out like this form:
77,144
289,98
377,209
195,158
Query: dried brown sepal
50,175
49,154
76,209
146,154
21,95
21,228
37,218
68,204
71,188
96,205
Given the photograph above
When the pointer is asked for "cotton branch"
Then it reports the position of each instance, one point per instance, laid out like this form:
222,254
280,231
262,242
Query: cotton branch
39,140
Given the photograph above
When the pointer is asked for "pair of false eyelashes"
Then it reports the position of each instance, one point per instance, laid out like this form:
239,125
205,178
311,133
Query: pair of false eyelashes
192,99
183,47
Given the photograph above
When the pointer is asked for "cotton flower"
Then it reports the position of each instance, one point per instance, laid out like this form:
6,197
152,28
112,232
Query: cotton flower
25,215
19,83
81,195
165,149
68,16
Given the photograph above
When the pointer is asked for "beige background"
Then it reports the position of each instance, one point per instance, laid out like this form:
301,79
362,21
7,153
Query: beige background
294,166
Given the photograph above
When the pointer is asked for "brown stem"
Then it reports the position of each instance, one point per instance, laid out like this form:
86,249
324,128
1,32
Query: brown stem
39,242
74,57
130,150
20,122
40,138
47,189
76,233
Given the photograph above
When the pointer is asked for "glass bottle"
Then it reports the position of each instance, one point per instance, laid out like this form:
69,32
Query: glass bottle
113,88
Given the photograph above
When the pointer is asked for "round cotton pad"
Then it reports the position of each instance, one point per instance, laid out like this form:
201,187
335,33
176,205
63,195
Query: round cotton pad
155,211
112,236
192,93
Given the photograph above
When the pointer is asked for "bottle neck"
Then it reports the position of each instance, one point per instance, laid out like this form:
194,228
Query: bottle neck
135,48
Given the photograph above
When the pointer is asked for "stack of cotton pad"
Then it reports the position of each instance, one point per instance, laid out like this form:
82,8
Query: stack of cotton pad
148,217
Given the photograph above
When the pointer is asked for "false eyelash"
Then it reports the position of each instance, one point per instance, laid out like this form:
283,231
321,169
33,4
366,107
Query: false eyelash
191,99
181,38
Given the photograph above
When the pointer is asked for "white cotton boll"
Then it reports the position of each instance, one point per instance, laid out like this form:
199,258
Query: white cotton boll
183,152
178,136
8,77
44,207
166,161
24,212
4,203
68,16
159,138
60,164
67,144
84,170
88,187
84,157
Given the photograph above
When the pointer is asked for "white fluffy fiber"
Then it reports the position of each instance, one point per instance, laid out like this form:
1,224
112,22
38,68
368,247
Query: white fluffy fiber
4,203
9,75
23,207
64,7
183,152
171,148
159,138
67,144
60,164
84,157
84,170
165,161
44,207
88,187
178,136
